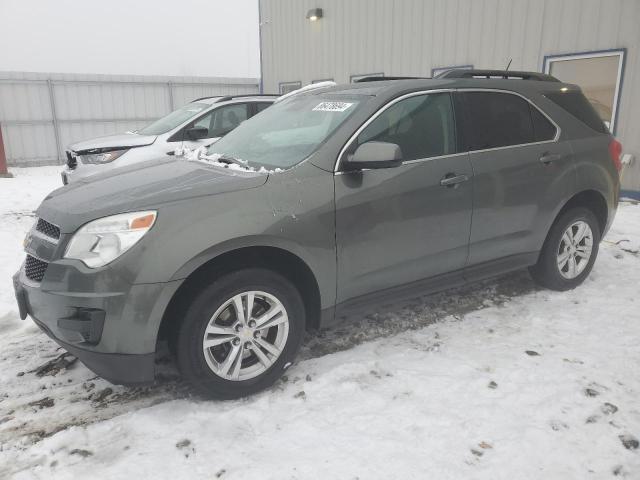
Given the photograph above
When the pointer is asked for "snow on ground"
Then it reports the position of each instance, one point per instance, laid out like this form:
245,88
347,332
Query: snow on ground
496,380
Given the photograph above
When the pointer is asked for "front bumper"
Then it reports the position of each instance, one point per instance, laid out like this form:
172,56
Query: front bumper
113,333
117,368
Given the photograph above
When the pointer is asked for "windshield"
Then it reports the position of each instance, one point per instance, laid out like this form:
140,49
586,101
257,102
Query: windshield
174,119
288,132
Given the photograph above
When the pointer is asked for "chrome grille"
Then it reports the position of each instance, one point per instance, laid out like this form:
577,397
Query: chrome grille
34,268
49,229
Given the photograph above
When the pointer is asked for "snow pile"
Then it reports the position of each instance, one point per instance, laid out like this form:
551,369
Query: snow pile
19,197
500,380
200,155
190,154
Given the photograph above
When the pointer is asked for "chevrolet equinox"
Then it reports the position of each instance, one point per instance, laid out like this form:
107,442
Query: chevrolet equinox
319,208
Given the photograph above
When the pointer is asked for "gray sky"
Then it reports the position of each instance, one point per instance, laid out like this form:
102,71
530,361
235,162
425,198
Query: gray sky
142,37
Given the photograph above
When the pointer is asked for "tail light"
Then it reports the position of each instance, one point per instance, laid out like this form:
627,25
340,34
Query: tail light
615,149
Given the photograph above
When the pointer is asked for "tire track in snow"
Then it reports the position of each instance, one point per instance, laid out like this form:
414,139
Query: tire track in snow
88,399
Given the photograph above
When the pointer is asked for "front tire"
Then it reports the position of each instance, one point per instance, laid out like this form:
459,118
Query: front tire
240,333
569,252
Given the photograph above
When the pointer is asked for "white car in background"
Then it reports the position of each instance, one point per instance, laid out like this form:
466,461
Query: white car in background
197,124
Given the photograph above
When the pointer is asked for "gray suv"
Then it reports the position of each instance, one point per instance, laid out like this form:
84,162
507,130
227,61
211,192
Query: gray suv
325,205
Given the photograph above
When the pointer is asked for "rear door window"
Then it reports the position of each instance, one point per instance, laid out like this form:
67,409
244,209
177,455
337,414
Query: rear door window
543,129
496,120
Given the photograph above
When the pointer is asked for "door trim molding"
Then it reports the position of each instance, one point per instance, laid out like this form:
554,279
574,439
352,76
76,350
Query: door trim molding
395,295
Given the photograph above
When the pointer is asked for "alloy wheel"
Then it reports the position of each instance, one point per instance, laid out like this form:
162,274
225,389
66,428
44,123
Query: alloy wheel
245,335
575,249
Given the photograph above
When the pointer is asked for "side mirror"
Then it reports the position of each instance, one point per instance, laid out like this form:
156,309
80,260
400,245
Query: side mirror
197,133
375,155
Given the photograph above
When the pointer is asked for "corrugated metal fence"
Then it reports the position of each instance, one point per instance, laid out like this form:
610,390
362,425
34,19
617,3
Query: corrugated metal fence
42,113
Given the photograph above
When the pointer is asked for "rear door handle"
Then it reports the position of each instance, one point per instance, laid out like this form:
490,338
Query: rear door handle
548,158
452,179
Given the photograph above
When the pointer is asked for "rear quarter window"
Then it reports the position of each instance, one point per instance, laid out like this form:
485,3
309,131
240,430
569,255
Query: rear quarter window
577,105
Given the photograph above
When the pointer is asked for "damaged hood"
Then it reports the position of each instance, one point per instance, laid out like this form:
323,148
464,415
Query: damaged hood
142,186
113,141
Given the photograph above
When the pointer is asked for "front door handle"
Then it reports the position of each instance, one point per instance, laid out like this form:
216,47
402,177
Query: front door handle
452,180
548,158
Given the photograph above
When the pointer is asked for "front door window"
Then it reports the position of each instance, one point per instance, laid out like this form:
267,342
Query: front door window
422,126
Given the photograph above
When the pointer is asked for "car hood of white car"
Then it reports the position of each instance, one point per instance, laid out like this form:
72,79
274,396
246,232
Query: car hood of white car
113,141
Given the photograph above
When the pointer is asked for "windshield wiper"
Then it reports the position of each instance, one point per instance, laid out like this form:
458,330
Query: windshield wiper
228,159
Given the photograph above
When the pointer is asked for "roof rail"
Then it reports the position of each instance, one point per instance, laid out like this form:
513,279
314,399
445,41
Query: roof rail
307,88
506,74
381,79
231,97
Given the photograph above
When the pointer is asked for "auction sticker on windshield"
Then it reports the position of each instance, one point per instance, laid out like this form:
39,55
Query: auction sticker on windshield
332,107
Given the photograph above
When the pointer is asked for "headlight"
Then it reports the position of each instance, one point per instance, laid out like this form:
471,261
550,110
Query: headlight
102,241
104,157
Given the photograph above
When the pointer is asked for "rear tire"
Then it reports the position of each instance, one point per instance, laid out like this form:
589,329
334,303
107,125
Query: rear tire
240,333
569,252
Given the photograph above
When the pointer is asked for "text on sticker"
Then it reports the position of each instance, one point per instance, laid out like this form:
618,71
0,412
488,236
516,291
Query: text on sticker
332,107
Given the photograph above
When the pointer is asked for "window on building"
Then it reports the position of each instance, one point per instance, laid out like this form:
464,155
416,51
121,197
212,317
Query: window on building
423,126
599,75
435,71
355,78
286,87
497,120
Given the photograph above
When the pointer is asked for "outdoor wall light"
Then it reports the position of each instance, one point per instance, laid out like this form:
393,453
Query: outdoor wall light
314,14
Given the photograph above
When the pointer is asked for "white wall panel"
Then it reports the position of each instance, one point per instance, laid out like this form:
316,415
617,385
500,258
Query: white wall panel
410,37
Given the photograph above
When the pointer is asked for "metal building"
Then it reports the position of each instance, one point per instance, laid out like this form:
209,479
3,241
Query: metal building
594,43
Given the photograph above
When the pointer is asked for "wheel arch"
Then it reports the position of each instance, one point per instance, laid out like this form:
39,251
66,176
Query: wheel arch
546,271
590,199
275,258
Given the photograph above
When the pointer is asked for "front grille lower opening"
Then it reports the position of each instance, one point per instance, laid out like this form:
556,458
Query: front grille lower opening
34,268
